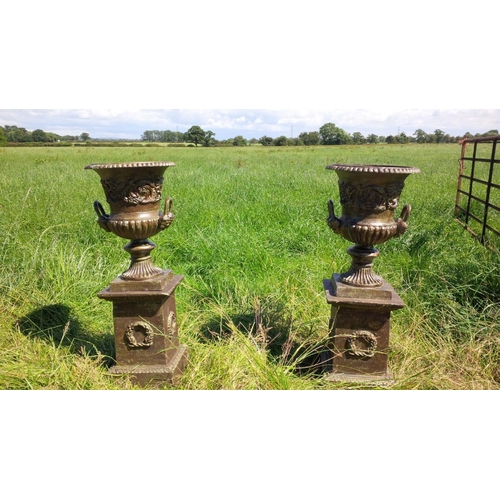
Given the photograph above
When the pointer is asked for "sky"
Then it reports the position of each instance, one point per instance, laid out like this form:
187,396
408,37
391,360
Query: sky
227,123
271,69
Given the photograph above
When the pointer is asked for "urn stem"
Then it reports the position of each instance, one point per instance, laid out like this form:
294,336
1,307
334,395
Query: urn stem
361,271
141,266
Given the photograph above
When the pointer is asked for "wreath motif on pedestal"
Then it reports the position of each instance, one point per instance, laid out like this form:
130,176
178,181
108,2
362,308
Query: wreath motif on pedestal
139,327
361,344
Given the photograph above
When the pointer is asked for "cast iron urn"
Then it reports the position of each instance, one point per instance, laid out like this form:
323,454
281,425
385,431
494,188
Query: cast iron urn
369,195
133,191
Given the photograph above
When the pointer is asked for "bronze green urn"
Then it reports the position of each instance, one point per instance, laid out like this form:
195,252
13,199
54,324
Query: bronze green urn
369,196
133,192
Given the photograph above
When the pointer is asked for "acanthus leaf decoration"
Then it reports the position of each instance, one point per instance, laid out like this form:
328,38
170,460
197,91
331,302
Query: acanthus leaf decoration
134,192
370,197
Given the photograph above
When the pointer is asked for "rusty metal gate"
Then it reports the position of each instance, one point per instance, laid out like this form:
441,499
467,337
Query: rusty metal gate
477,205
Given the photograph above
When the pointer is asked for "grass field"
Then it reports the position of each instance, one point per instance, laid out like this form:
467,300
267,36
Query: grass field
250,234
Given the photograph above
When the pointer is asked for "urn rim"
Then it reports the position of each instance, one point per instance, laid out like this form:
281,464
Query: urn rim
137,164
376,169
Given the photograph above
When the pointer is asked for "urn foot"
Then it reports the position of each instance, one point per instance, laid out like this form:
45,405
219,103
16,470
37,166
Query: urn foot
141,267
361,273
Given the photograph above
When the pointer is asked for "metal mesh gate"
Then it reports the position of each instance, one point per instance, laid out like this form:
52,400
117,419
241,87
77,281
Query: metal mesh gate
477,205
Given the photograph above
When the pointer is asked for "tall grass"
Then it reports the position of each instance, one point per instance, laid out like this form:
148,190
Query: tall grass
251,239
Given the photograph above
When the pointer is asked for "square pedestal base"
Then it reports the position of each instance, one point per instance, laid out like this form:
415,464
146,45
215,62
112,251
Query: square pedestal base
359,332
373,380
145,326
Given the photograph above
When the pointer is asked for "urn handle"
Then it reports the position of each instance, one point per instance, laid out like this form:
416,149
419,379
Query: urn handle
169,203
103,217
99,210
167,217
403,219
333,221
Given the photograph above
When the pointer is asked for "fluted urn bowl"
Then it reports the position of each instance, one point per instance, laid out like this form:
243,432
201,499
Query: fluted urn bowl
369,196
133,192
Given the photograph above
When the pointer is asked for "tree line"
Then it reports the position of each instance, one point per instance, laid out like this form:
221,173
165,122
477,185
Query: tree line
328,134
12,133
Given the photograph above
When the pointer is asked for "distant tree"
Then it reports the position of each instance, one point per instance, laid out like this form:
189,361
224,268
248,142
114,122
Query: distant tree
280,141
390,139
3,136
84,136
208,139
69,138
147,136
253,141
420,135
266,140
310,138
490,133
358,138
331,134
159,135
239,140
51,137
181,136
17,134
439,134
402,138
373,139
381,138
196,134
169,136
38,135
24,135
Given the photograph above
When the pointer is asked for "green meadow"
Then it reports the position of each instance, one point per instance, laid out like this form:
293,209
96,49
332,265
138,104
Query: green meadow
251,239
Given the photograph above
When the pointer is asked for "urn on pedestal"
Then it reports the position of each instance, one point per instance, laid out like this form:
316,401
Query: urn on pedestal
361,300
143,296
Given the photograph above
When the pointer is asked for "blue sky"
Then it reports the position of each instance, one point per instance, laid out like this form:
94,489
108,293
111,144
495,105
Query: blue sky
226,123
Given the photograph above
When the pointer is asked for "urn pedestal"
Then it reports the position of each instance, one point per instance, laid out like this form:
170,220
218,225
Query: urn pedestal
359,332
143,296
361,301
145,325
